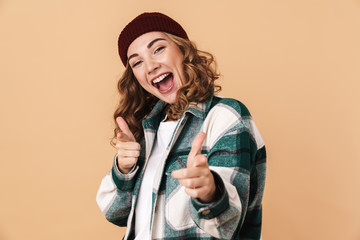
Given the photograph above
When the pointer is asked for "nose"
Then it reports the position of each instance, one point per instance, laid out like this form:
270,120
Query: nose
152,65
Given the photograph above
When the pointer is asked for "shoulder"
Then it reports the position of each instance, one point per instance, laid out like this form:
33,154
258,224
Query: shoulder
229,117
228,106
224,116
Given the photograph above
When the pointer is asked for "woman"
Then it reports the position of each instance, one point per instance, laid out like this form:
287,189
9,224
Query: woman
189,164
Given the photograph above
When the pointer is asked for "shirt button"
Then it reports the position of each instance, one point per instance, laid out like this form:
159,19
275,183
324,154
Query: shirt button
206,212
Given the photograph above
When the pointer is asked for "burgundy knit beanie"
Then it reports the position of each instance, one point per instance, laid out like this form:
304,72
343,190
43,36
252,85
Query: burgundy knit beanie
147,22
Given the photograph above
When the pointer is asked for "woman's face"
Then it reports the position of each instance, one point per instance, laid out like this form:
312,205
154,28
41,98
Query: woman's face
157,64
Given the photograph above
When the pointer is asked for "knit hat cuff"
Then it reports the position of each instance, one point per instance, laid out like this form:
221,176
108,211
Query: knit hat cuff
147,22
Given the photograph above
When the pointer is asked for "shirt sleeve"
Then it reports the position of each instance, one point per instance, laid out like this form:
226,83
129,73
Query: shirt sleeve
238,158
114,196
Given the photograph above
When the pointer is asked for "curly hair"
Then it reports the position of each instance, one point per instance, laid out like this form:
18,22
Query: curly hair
199,84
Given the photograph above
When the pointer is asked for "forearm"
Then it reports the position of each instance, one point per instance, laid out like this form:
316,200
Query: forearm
115,195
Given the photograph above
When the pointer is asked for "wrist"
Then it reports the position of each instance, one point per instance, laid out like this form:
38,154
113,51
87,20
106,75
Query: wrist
214,193
122,170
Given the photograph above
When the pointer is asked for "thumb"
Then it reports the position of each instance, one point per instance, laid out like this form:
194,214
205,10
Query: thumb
125,128
196,148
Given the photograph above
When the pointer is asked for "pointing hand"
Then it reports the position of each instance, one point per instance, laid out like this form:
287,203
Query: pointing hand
197,177
128,150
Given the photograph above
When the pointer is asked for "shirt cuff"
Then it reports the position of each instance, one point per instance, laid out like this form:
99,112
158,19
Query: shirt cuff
124,182
213,209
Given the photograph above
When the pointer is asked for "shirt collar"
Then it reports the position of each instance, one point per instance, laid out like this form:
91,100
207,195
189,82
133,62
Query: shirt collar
199,110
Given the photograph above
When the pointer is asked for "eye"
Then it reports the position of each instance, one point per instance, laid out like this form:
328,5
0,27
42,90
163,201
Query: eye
158,49
136,64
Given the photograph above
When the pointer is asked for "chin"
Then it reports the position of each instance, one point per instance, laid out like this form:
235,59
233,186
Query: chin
171,99
169,102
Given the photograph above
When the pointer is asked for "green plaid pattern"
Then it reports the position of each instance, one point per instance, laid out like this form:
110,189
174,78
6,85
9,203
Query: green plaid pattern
237,158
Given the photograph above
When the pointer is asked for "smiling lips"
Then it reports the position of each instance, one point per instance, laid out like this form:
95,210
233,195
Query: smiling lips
164,83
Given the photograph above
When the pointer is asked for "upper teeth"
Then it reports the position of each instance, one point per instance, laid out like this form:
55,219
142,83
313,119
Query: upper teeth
160,78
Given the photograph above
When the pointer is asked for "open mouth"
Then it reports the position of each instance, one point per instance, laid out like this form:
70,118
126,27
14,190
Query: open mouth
164,83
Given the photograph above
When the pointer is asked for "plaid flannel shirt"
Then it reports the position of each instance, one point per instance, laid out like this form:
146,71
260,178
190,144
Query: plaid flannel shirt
236,156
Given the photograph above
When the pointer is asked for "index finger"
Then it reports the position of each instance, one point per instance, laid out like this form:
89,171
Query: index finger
124,128
122,137
196,146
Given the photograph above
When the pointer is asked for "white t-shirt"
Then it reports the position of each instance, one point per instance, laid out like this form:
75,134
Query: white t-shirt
143,205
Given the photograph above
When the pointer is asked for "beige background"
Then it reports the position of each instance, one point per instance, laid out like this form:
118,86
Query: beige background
294,63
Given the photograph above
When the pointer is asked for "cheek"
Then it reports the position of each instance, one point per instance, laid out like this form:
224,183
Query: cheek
179,61
180,67
142,84
139,77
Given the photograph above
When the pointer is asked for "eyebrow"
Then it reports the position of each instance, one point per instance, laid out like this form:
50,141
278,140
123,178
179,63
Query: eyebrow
148,46
154,41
